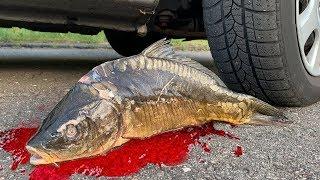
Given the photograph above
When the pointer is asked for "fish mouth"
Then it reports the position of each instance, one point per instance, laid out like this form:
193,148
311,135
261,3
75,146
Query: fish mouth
38,157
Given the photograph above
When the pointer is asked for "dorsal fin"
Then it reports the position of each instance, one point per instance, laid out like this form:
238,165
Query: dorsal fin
163,50
159,49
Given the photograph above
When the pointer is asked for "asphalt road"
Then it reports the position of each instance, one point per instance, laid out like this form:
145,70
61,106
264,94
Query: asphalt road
290,152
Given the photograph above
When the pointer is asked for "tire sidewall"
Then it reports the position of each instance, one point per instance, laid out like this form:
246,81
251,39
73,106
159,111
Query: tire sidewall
307,87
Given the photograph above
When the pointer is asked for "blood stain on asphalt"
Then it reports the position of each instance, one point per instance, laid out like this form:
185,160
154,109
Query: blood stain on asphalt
14,142
238,151
22,171
168,149
206,147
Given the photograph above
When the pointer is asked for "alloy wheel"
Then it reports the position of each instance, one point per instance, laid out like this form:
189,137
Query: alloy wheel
308,27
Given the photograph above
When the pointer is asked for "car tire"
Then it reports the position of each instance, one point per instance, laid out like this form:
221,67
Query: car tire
128,43
256,49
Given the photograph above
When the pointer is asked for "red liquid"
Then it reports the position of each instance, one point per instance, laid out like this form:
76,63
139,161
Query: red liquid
22,171
168,149
238,151
206,147
14,142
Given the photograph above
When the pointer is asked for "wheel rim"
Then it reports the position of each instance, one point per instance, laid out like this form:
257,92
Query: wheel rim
308,27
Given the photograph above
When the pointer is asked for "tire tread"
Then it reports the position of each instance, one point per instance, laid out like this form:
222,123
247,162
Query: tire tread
244,37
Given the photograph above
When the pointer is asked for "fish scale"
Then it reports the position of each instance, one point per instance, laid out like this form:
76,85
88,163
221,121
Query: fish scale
163,121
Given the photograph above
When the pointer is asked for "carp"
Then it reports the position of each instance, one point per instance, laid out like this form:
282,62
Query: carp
138,97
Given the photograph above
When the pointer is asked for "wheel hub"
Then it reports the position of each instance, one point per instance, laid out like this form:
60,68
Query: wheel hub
308,27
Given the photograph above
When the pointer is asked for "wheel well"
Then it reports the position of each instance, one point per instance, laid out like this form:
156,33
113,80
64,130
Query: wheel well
179,19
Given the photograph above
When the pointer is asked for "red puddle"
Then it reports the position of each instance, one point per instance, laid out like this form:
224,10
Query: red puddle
238,151
166,149
14,142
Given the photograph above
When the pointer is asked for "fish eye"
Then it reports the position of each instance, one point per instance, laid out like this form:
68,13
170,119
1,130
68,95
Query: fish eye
71,131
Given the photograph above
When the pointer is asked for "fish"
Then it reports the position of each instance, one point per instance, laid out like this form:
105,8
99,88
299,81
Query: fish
138,97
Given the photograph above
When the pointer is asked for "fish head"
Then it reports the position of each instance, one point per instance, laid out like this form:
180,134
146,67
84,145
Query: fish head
82,125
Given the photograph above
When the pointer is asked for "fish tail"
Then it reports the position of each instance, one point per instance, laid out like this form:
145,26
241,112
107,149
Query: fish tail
266,114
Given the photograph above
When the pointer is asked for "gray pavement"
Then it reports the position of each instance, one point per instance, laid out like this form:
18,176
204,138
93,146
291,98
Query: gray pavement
290,152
